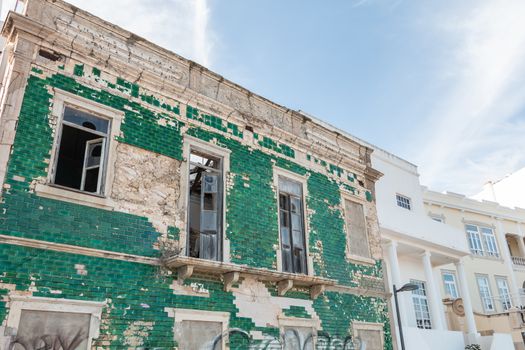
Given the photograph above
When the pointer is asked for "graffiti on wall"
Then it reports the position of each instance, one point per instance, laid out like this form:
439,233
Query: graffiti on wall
46,330
291,339
68,341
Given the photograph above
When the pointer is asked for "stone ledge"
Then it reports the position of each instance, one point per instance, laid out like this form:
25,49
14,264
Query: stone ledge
73,196
186,266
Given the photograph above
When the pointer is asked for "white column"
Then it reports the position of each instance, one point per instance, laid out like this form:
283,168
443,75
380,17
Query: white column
467,304
521,246
436,312
396,280
514,289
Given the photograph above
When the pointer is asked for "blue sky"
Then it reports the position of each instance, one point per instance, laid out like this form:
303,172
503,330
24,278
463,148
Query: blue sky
439,83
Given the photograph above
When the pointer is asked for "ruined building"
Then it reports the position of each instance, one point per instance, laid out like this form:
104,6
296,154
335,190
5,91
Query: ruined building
148,202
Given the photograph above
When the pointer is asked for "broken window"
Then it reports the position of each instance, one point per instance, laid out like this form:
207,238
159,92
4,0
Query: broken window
51,330
292,226
205,206
81,151
356,229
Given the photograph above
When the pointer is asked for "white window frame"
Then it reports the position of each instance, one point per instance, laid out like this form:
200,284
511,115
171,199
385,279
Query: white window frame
504,296
448,283
489,296
289,322
474,240
48,189
304,183
19,303
352,257
481,242
368,326
192,143
403,201
490,242
202,316
416,294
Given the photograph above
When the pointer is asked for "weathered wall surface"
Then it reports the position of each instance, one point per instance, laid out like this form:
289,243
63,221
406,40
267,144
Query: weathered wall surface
147,184
146,194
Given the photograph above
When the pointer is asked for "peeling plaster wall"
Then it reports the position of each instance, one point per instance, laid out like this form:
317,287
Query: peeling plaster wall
147,184
255,301
59,249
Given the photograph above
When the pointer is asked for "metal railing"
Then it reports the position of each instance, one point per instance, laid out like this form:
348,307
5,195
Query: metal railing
518,260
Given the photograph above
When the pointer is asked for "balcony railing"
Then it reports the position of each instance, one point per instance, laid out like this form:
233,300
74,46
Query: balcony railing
518,260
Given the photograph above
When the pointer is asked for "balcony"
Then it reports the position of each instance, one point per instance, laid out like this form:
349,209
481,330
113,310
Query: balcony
517,249
518,260
230,273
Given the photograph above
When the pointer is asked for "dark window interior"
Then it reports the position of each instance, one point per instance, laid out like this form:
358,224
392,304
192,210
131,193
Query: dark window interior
205,197
71,158
81,151
292,232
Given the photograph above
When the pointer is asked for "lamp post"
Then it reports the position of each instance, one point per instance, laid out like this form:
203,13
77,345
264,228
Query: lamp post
406,288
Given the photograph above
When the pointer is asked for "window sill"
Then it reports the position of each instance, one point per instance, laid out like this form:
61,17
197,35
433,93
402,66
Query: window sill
62,194
186,266
486,257
356,259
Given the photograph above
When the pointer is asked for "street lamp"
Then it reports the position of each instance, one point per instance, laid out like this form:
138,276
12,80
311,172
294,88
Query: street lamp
406,288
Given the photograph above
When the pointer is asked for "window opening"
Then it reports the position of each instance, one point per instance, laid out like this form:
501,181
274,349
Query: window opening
291,221
81,152
205,202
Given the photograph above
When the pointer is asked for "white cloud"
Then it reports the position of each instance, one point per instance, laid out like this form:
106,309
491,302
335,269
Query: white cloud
474,134
6,5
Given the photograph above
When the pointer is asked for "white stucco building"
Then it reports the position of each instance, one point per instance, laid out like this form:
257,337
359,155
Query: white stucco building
424,250
495,266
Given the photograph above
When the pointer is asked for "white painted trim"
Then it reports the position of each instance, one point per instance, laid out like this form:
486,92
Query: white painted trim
288,321
72,196
489,286
60,101
201,315
456,283
469,205
19,303
303,180
410,202
360,259
368,326
434,216
189,143
476,223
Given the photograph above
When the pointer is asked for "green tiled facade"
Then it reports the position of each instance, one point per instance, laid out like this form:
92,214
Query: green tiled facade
138,294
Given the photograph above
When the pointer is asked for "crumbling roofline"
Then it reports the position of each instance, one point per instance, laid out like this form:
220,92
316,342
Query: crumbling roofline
191,65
